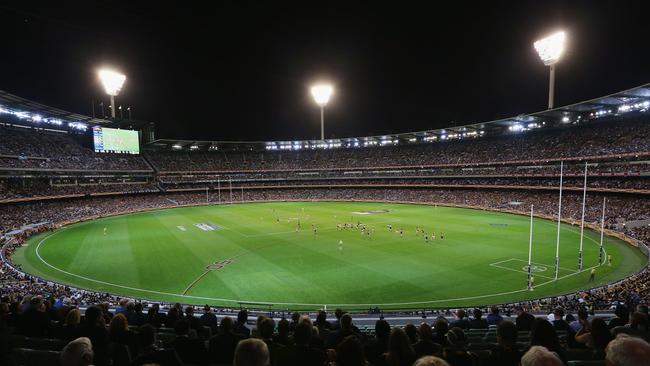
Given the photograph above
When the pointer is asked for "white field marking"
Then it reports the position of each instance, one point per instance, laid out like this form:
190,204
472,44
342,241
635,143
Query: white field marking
542,264
518,270
503,261
288,303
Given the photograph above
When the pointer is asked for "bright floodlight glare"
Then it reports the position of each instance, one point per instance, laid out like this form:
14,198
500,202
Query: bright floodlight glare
550,49
322,93
112,81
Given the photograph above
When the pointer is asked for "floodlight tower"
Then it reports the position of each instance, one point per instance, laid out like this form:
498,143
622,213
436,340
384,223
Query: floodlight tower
322,94
112,81
550,50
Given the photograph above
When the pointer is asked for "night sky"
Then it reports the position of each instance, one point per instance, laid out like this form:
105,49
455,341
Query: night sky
242,72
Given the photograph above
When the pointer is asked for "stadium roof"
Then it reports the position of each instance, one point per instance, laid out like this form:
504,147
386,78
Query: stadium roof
30,113
627,102
632,100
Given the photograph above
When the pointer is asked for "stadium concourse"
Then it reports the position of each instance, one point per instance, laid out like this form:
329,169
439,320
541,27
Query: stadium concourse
49,177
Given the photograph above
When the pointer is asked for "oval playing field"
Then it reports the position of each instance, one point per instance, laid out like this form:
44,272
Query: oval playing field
268,253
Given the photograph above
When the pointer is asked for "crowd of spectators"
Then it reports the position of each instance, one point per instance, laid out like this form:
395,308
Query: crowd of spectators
42,188
616,184
36,149
591,140
614,168
133,334
620,208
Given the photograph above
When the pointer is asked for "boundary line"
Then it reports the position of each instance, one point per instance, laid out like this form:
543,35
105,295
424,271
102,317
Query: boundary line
284,303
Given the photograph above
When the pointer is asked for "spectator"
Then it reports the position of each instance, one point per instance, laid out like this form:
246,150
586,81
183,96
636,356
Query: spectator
430,361
251,352
379,345
347,329
322,324
461,320
301,352
70,329
149,352
94,328
558,320
265,328
638,326
494,318
137,318
595,335
412,333
118,332
506,352
189,350
455,353
240,326
441,328
208,319
154,317
577,324
425,346
627,351
35,321
543,334
295,318
283,332
350,352
400,352
540,356
222,346
524,319
477,322
172,317
622,316
78,352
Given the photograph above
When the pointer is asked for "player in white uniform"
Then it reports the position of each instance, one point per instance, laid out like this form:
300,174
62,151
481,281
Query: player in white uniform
104,231
340,245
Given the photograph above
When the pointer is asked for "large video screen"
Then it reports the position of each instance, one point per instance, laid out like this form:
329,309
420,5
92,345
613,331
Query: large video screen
112,140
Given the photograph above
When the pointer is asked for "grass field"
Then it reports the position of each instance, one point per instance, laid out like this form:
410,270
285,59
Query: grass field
254,254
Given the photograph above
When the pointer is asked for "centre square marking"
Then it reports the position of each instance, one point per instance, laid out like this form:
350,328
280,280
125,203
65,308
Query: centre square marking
218,264
535,268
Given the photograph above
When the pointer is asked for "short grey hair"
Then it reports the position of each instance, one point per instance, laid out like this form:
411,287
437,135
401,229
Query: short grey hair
625,350
540,356
430,361
251,352
78,352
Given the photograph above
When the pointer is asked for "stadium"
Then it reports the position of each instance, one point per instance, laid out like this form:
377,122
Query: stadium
540,219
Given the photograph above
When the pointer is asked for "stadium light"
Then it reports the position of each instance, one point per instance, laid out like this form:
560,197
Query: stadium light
322,94
550,49
112,82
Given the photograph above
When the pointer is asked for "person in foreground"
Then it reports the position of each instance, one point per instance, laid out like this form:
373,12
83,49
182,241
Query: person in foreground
540,356
625,350
251,352
78,352
430,361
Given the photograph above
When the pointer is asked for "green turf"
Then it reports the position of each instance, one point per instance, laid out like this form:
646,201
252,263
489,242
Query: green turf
147,255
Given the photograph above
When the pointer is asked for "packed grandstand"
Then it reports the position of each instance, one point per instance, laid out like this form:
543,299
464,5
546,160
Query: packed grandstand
50,176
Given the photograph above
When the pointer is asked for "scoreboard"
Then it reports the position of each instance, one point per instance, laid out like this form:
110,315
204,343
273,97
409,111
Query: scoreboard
113,140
